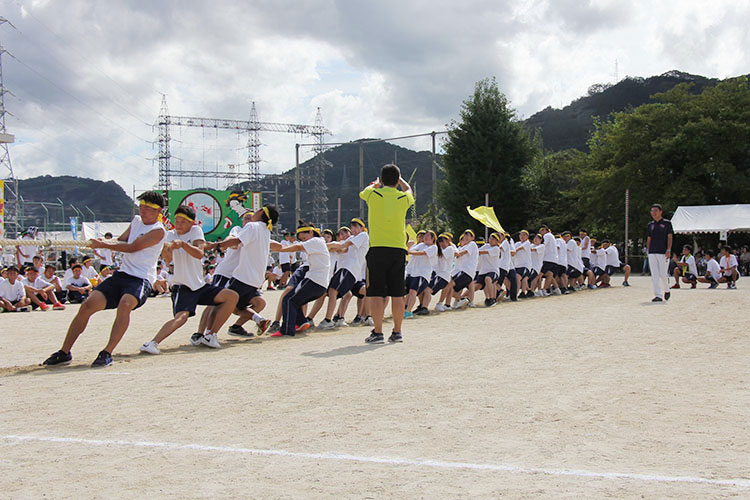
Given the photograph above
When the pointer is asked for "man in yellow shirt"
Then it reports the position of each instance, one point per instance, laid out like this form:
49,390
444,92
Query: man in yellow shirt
386,259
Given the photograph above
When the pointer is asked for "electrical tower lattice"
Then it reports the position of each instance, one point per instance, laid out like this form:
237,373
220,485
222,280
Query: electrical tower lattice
11,196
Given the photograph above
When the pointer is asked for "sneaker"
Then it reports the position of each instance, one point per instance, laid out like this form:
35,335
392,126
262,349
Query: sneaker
263,326
563,291
676,286
302,327
408,314
270,288
340,323
357,321
103,359
24,309
151,347
625,283
667,295
58,358
422,311
58,307
43,306
593,287
656,299
238,331
196,338
461,303
729,286
309,322
326,324
693,285
211,340
274,326
278,333
440,307
713,285
375,338
369,321
471,304
556,291
395,337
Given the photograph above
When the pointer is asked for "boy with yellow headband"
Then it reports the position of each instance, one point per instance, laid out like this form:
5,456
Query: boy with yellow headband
129,287
467,259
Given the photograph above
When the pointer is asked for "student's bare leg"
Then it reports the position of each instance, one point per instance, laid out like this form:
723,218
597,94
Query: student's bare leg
206,318
225,301
171,326
122,321
344,304
397,309
317,306
95,303
410,300
332,296
426,298
377,309
627,270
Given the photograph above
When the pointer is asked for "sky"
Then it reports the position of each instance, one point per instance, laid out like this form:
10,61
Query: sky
87,78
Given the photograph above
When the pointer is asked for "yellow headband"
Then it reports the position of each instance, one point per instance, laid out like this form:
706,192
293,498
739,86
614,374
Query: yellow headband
344,228
470,232
270,224
449,235
525,231
184,216
496,236
359,221
149,205
305,229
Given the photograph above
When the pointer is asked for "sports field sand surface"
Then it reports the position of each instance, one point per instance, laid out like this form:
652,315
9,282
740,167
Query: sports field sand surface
600,394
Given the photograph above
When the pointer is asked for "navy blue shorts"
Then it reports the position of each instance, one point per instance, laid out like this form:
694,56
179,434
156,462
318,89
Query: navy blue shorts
561,270
461,281
343,282
220,281
523,272
611,270
245,291
359,285
297,276
586,263
598,271
479,280
532,275
690,277
573,272
185,299
501,275
417,283
119,284
548,266
437,284
286,267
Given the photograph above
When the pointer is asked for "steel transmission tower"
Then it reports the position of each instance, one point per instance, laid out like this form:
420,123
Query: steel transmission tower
253,146
11,225
163,158
317,174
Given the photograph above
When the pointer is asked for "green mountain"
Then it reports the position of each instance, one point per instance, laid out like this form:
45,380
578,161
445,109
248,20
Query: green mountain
68,196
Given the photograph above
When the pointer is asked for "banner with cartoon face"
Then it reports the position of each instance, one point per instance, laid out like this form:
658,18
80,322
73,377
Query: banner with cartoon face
216,212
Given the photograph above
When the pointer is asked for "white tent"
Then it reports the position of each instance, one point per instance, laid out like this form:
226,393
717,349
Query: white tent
711,219
98,229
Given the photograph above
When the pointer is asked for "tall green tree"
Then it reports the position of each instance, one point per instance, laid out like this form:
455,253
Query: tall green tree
485,152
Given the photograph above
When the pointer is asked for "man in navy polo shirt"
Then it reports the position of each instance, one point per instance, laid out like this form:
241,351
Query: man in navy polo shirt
659,246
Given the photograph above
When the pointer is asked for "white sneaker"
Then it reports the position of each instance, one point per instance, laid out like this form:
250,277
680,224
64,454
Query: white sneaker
440,307
211,340
370,321
556,291
326,324
151,347
471,304
460,303
24,309
340,323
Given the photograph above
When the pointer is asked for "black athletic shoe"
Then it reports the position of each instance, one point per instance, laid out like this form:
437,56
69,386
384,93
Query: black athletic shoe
625,283
357,321
421,311
667,295
58,358
530,294
374,338
238,331
395,337
103,359
195,338
656,299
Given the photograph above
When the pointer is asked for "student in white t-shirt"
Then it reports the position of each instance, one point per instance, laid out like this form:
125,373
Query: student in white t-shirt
487,269
422,260
311,287
285,259
88,270
713,271
26,253
442,278
465,269
522,259
130,286
333,258
550,263
39,291
357,245
13,293
537,255
50,277
77,285
184,247
686,268
105,255
728,264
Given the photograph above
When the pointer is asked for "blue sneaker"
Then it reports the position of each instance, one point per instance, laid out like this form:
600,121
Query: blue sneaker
59,358
408,314
713,285
103,359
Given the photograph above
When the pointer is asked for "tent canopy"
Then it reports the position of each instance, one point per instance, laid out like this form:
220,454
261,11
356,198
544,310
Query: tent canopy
711,219
98,229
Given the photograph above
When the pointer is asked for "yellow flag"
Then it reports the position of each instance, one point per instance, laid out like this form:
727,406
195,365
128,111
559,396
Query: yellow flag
486,215
411,233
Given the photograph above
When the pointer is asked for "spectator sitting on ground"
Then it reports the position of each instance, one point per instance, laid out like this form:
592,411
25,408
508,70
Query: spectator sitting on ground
686,268
39,291
13,293
50,277
78,286
713,271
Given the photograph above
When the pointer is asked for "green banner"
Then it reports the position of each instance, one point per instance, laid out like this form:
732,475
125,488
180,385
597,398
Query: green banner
216,212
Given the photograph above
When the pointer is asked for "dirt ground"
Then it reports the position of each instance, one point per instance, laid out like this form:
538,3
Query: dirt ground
600,394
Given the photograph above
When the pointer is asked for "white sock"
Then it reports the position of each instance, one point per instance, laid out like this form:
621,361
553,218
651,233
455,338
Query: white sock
208,332
257,317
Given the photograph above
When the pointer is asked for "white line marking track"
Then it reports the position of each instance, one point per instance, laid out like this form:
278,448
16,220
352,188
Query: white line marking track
416,462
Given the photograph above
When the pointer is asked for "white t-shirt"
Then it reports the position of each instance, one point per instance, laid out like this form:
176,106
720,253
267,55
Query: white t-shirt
523,254
12,292
725,267
89,272
285,257
505,258
574,255
106,254
691,267
142,264
354,256
318,259
81,281
255,238
39,283
489,262
550,248
445,263
537,256
586,247
422,264
333,261
188,270
468,262
231,257
713,269
29,250
562,253
613,256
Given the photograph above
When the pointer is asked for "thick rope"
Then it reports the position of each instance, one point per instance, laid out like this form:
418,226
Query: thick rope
45,243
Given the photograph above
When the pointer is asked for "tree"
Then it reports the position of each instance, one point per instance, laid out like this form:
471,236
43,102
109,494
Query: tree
485,153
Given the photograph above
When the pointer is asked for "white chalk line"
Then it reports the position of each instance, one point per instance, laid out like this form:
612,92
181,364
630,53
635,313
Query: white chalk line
418,462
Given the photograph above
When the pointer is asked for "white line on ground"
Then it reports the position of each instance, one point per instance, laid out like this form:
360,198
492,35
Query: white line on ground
417,462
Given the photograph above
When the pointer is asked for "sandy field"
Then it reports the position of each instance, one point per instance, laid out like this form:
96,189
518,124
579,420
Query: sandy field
600,394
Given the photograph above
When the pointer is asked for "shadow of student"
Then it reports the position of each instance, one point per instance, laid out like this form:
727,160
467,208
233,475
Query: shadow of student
343,351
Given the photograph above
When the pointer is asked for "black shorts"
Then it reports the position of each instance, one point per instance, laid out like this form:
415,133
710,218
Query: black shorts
357,287
501,275
572,272
342,281
611,270
286,267
586,263
561,270
220,281
385,272
523,272
297,276
690,277
461,281
548,266
479,280
416,283
245,291
119,284
185,299
437,284
532,275
598,271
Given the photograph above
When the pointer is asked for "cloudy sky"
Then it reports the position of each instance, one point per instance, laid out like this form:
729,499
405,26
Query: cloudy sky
88,76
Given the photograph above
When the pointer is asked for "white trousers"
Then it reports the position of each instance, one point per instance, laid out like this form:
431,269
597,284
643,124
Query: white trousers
659,265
